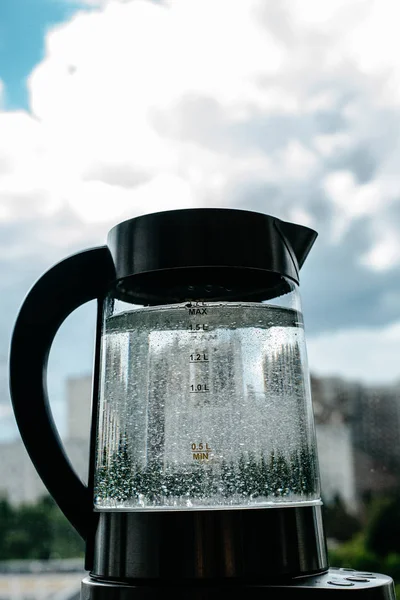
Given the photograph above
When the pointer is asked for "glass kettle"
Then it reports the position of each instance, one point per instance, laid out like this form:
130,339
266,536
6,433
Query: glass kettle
203,457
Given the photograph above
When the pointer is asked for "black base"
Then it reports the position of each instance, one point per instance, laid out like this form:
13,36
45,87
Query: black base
211,545
372,586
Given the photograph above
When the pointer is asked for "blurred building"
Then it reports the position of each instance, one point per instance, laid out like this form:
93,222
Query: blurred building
19,482
332,399
376,439
358,432
79,391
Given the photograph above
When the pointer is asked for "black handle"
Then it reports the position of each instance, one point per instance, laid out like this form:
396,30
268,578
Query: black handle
66,286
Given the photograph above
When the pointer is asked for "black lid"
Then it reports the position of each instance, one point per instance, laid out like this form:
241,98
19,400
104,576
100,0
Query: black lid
210,253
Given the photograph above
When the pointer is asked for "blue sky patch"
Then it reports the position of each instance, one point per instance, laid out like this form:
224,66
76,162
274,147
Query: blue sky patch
23,27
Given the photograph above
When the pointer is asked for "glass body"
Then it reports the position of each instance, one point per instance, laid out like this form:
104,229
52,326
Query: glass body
205,405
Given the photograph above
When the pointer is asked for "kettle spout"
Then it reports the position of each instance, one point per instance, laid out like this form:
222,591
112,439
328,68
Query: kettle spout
299,238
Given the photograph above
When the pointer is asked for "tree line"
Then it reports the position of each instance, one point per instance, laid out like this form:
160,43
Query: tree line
37,531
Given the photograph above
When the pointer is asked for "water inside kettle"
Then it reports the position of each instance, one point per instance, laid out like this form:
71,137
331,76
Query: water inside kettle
205,406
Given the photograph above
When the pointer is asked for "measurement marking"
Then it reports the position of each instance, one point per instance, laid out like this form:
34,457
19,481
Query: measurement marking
199,391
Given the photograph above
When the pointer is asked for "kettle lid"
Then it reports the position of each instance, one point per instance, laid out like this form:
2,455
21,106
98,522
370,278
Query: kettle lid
213,245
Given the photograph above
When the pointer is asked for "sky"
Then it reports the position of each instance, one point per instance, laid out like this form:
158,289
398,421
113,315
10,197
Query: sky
113,109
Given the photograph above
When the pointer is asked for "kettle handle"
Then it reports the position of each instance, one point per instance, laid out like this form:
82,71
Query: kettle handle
70,283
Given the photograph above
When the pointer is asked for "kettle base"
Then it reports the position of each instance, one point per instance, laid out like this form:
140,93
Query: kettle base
211,545
374,585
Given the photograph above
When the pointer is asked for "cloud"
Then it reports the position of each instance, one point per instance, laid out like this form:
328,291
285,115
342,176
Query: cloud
367,355
289,108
